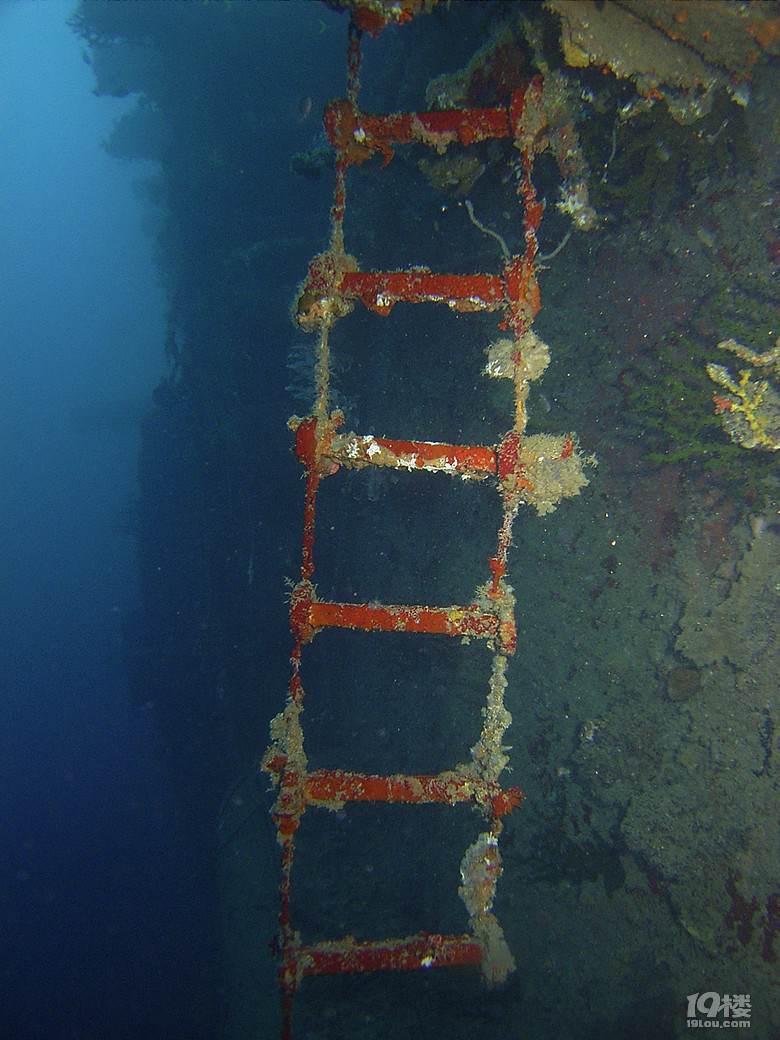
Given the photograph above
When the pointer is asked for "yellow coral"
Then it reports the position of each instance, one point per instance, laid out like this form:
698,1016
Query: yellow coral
750,410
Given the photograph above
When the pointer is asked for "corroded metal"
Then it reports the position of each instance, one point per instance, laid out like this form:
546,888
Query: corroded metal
334,284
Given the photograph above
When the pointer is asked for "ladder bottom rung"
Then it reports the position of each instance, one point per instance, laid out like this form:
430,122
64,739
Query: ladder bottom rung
346,956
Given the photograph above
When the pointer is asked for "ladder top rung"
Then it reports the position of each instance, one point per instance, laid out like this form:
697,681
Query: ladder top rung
346,956
470,620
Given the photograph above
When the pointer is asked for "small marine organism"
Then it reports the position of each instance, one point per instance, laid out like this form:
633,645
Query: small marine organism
750,409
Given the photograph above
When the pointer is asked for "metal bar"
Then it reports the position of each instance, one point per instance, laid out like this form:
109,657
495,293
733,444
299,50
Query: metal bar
467,461
408,954
334,787
357,136
469,620
379,290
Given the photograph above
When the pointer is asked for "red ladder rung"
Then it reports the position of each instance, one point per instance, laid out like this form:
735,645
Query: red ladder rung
336,787
356,136
466,460
379,290
515,290
408,954
469,620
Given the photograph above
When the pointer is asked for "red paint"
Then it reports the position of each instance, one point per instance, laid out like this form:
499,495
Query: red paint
508,456
498,569
468,460
368,20
300,609
462,457
379,290
453,621
358,136
522,292
507,636
510,467
339,787
417,951
306,443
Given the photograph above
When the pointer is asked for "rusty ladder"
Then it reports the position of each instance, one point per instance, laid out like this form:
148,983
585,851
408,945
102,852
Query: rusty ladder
333,285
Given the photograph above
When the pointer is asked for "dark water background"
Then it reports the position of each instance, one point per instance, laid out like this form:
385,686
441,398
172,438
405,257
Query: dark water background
103,927
107,895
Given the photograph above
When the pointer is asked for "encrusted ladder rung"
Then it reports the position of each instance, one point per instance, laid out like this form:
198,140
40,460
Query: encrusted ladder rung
347,956
357,135
515,291
491,619
332,788
469,620
379,290
357,450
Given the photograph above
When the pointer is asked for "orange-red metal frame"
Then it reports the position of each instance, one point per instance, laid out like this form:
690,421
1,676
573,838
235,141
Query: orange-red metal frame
333,283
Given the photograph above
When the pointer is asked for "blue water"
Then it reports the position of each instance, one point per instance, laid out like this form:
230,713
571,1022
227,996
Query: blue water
108,894
100,908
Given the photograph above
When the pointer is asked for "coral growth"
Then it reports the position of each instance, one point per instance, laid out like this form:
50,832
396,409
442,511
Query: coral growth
750,410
